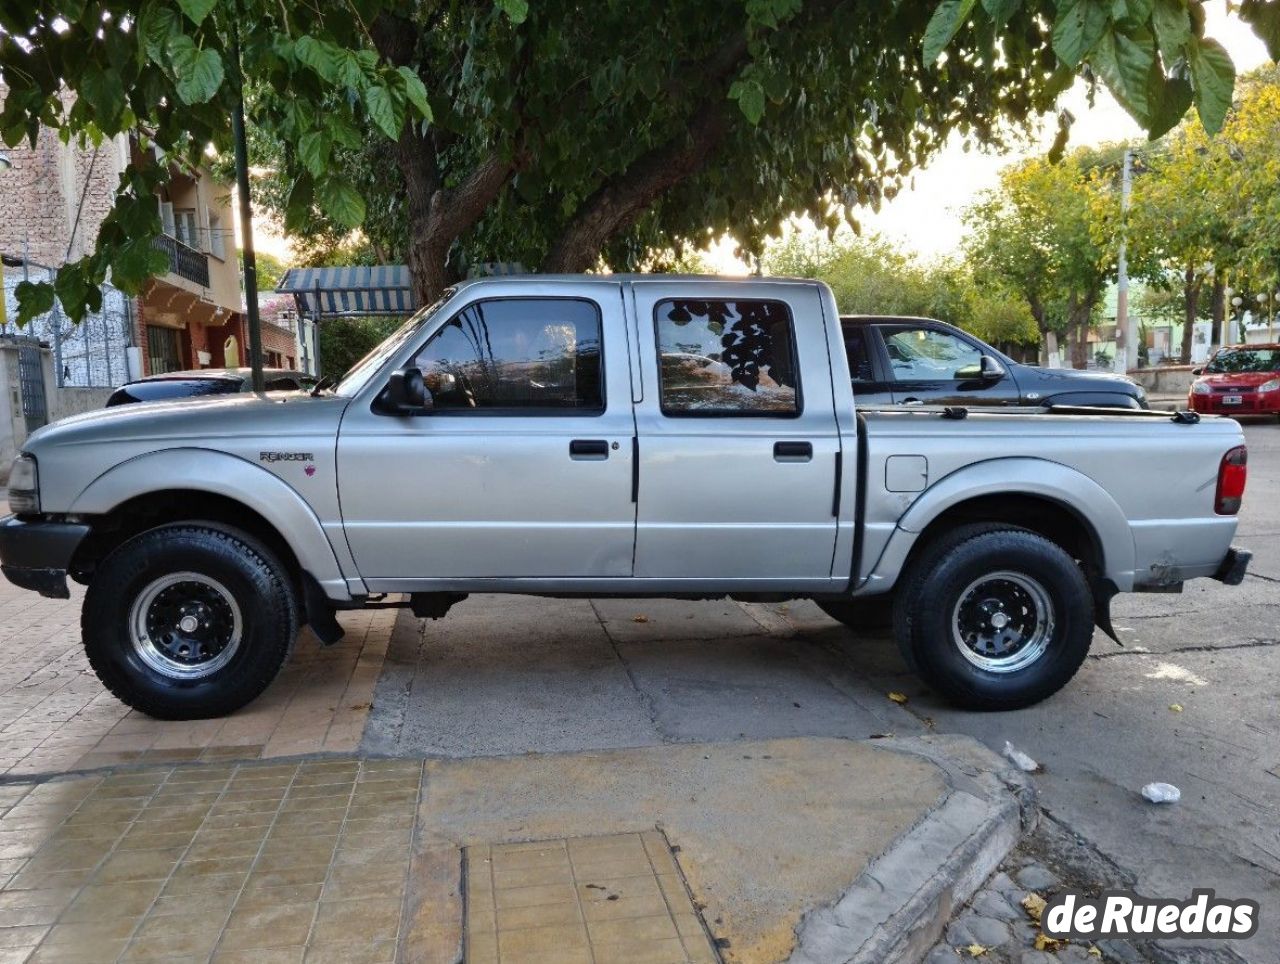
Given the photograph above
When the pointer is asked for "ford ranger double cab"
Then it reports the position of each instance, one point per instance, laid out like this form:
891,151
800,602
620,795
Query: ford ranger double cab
611,436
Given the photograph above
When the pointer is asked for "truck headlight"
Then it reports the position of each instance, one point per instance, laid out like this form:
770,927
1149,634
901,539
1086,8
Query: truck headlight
24,486
1270,386
1201,388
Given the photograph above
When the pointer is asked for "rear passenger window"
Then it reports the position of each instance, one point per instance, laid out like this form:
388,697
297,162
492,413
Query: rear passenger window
726,358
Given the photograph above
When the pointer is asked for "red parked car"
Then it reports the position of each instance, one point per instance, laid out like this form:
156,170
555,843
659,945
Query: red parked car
1239,380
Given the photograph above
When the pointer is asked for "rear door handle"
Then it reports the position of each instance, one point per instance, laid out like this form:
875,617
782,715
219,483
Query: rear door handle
588,448
793,451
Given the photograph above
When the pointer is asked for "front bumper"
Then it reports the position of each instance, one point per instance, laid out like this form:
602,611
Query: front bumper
1234,565
1251,403
35,554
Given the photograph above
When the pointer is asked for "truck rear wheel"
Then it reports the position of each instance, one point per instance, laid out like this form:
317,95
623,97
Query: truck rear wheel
189,621
994,618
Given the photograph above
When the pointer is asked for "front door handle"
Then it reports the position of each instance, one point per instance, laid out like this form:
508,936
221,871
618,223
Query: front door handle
912,400
793,451
589,449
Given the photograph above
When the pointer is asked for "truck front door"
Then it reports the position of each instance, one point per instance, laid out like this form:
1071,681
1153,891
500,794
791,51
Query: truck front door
737,435
522,466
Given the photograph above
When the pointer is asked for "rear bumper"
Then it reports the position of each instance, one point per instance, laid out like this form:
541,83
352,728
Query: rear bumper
1234,566
35,554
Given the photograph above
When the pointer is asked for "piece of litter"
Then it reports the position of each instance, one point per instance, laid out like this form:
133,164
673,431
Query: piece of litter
639,619
1094,952
976,950
898,698
1020,759
1046,943
1176,707
1162,793
1034,905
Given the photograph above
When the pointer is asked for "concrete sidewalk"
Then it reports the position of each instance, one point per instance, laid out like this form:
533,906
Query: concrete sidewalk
816,849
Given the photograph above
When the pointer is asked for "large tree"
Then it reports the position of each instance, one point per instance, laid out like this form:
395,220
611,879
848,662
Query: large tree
1036,234
559,134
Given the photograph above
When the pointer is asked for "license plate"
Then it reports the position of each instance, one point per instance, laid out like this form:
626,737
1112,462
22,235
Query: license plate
1232,400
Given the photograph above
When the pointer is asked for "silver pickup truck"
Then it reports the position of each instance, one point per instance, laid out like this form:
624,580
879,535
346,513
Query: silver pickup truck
612,436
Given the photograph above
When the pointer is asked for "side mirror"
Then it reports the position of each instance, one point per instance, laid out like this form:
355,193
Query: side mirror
407,393
1197,371
990,370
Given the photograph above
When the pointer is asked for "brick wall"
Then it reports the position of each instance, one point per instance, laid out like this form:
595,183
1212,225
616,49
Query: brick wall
40,196
281,341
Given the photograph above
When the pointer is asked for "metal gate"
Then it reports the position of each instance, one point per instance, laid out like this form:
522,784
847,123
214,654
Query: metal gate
31,378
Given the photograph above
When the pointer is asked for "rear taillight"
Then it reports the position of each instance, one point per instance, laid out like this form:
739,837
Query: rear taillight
1231,477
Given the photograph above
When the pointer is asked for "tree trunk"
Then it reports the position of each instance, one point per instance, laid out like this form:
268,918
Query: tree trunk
1218,307
1191,284
1050,349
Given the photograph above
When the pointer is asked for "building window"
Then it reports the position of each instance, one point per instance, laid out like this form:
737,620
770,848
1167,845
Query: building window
726,358
217,247
164,350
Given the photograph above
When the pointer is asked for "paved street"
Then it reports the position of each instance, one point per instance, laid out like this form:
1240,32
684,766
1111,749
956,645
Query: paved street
509,676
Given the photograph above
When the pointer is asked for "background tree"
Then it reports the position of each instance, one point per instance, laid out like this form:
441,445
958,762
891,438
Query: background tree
542,135
1036,234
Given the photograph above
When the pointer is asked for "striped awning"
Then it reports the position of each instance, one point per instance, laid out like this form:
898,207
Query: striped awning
350,291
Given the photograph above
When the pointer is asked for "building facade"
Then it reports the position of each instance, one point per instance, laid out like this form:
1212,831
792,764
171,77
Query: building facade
53,198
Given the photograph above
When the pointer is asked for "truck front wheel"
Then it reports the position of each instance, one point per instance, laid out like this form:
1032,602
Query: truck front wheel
189,621
994,618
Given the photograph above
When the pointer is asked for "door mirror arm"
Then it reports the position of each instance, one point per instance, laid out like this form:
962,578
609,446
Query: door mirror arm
406,392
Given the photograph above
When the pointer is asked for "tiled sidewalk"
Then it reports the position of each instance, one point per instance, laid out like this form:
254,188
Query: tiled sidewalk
55,716
287,862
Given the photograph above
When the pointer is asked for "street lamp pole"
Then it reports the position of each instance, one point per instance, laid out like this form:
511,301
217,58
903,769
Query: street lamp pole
246,224
1126,333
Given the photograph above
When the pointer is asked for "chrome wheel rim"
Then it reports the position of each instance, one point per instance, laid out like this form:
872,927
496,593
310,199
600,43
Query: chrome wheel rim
185,626
1003,622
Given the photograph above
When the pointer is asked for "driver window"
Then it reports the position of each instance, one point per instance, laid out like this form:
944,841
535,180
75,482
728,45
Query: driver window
517,353
923,354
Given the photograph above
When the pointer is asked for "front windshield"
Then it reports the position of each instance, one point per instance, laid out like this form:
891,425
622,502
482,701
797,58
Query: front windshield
366,367
1235,360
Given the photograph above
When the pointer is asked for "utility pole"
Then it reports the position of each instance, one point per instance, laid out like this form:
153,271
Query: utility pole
1126,332
246,224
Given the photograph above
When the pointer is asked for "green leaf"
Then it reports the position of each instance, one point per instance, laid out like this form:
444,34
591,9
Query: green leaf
342,132
415,91
384,111
157,25
1001,10
944,25
35,298
750,97
1170,99
297,206
516,10
105,94
72,290
1081,24
1173,28
198,72
1126,66
197,10
1214,76
318,56
349,71
1264,17
341,201
313,151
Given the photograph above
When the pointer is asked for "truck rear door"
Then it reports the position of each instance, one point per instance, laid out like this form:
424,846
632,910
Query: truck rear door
736,434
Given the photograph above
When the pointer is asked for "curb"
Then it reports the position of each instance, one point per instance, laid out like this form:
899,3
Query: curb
900,905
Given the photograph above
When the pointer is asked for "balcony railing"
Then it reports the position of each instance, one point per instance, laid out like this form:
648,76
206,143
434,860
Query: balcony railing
185,262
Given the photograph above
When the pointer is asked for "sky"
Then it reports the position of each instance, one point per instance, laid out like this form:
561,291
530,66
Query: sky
926,218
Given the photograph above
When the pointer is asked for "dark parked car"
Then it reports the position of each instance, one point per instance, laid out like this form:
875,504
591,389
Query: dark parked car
919,361
206,381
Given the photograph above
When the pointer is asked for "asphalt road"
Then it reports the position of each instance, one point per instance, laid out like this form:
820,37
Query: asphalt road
503,675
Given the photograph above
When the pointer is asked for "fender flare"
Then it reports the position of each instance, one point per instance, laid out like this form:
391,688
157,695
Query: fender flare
219,473
1058,483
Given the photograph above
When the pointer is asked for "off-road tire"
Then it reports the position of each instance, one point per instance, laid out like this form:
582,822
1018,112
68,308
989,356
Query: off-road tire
250,572
930,591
